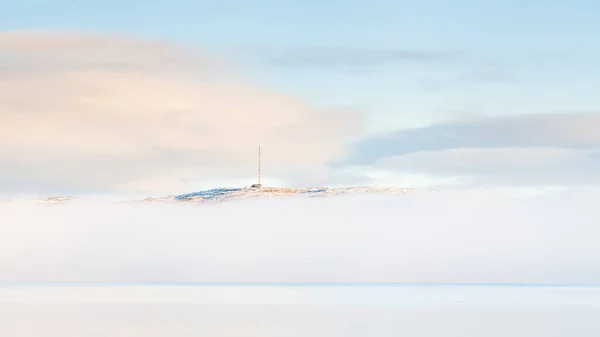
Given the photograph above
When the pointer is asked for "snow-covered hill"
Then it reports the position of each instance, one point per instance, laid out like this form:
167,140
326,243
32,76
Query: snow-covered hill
230,194
226,194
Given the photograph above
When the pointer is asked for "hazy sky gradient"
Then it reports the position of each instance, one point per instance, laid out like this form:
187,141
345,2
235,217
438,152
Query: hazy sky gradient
398,65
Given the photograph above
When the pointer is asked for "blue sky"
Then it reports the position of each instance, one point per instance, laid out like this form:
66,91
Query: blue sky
511,54
404,64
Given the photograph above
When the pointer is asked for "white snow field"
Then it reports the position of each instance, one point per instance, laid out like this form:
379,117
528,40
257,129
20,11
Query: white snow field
297,311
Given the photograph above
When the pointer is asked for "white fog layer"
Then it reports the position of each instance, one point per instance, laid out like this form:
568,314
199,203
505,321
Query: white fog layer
445,237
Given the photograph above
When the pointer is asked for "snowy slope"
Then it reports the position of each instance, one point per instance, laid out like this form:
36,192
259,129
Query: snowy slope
227,194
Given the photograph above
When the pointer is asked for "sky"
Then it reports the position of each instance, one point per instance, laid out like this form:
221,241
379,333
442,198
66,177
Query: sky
162,97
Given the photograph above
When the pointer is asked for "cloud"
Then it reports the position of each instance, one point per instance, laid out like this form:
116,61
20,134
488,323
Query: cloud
526,150
473,236
354,58
327,176
113,113
575,131
503,166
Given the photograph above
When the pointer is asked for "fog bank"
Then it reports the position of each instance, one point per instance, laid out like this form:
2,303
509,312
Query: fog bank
473,236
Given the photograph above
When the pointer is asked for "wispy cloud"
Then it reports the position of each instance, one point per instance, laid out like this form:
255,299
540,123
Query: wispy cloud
113,113
577,131
356,58
503,166
526,150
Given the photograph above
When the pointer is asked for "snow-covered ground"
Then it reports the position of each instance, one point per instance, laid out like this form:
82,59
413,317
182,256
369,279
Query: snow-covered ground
297,311
226,194
243,193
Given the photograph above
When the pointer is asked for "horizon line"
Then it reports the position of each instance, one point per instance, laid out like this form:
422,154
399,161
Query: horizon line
299,284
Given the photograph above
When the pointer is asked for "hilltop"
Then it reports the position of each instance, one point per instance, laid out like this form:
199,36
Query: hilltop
226,194
243,193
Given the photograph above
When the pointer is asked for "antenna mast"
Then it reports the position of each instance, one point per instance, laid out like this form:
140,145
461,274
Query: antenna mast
258,184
